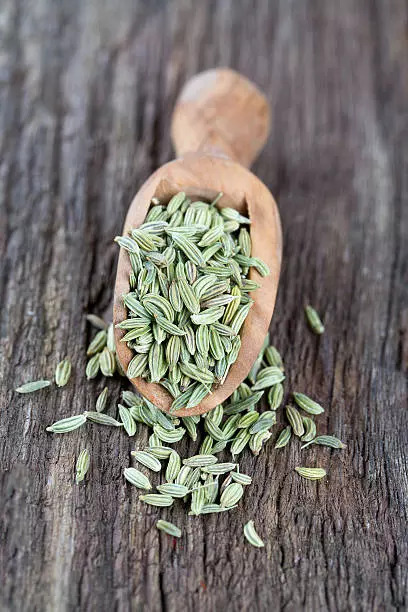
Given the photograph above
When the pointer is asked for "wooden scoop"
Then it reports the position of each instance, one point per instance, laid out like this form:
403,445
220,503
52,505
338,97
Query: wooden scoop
220,123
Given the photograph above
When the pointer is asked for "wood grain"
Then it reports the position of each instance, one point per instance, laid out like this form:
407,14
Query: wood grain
86,94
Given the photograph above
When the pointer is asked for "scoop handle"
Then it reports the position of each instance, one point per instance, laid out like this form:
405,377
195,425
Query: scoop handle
220,112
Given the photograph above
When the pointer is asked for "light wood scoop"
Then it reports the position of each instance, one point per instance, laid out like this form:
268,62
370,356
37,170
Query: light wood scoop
220,123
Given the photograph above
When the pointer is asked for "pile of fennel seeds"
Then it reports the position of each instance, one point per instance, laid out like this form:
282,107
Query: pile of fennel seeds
189,295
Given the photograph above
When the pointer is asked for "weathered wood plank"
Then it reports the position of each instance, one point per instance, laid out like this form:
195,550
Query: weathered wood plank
86,94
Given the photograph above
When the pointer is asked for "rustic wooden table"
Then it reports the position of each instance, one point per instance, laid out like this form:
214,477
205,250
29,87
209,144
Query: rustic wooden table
87,90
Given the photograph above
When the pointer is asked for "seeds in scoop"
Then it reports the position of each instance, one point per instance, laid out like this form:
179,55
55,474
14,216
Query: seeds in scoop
331,441
157,499
147,460
311,473
168,528
137,478
314,320
68,424
35,385
63,372
82,465
284,437
295,420
307,404
251,535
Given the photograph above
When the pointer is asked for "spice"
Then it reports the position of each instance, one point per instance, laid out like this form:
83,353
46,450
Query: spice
251,535
314,320
82,465
35,385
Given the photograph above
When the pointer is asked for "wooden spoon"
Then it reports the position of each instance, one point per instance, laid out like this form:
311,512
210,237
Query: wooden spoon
220,123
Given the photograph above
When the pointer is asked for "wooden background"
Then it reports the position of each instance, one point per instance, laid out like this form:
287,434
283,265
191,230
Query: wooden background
86,94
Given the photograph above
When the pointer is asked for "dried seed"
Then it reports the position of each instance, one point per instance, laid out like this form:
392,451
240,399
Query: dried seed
168,528
107,362
244,404
231,495
275,396
63,372
310,429
219,468
307,404
128,421
314,320
101,418
98,343
265,421
311,473
257,441
160,452
295,419
173,489
273,357
96,321
82,465
92,367
173,466
248,419
240,442
157,499
35,385
147,460
68,424
242,479
200,461
183,474
197,501
268,377
137,478
191,427
169,436
331,441
102,400
251,535
284,437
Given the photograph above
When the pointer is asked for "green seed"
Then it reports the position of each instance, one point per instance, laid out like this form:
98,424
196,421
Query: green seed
173,489
128,421
68,424
92,367
310,429
63,372
307,404
219,468
200,460
96,321
137,478
98,343
251,535
107,362
101,419
168,528
268,377
295,420
284,437
35,385
314,320
273,357
257,440
173,466
147,460
82,465
311,473
265,421
331,441
275,396
242,479
231,495
157,499
102,400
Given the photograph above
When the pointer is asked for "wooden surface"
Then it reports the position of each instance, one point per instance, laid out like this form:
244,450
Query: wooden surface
86,93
